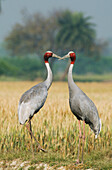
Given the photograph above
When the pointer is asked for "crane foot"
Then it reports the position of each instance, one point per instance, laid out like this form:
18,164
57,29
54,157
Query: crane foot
43,150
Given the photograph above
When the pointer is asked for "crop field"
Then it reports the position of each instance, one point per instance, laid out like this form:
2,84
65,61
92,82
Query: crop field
55,127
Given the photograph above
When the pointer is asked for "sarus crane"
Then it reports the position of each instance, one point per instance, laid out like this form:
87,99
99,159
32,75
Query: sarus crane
81,106
34,98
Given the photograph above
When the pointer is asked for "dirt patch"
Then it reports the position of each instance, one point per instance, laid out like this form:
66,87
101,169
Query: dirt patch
26,165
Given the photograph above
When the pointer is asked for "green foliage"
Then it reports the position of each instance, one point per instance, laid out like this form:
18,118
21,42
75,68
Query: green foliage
100,157
36,35
61,32
87,69
86,65
76,32
23,68
31,68
7,68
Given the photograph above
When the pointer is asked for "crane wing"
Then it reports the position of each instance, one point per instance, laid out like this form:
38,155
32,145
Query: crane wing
84,109
31,102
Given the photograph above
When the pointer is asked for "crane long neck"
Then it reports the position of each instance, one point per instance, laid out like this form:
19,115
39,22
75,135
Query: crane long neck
71,83
48,81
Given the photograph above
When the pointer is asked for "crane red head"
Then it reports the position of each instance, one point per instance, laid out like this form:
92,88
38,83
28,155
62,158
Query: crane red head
70,55
48,55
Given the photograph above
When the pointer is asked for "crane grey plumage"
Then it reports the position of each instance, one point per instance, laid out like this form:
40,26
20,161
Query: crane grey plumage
33,99
81,105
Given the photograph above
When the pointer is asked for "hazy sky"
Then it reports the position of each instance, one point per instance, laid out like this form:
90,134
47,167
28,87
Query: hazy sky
100,10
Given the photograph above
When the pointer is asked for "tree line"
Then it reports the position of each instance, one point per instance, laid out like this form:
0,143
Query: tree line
60,32
31,68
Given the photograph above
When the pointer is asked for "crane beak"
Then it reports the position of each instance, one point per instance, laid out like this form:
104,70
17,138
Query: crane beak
66,56
56,56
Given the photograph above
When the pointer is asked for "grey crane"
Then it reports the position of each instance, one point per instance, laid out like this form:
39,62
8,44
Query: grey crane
34,98
81,106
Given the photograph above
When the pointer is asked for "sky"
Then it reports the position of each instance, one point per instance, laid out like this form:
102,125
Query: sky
100,10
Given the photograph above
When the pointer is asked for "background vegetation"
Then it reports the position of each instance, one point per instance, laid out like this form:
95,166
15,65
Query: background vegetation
31,68
21,54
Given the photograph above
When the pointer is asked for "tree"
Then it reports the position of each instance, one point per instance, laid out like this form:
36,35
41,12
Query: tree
76,32
60,32
35,35
28,37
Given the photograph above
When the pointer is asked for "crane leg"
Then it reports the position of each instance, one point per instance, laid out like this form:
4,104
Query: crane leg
80,136
32,135
30,128
83,140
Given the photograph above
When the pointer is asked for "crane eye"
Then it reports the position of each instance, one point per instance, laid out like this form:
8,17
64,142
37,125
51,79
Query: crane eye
72,54
49,54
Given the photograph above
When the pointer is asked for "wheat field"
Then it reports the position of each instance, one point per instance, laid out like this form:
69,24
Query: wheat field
55,127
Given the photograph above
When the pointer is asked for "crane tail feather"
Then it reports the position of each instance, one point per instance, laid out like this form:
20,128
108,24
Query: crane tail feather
99,129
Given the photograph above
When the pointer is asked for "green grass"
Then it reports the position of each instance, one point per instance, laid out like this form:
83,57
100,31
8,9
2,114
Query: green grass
89,77
79,78
93,77
62,151
7,78
99,159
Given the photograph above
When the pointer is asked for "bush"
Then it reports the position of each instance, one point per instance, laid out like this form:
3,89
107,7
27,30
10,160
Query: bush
25,68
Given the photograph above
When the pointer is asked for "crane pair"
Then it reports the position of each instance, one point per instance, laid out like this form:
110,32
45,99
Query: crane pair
81,105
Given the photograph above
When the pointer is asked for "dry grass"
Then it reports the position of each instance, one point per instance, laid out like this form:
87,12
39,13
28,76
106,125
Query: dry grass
54,125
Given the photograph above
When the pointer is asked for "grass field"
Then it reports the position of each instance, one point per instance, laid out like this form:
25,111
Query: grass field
55,127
